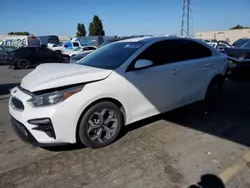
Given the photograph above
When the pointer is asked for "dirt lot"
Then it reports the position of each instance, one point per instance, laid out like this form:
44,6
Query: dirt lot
176,149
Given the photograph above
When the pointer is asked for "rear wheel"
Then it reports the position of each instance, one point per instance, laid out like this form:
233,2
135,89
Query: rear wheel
100,125
23,64
214,88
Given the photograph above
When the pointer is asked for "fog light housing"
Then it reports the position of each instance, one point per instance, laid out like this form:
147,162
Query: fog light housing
45,125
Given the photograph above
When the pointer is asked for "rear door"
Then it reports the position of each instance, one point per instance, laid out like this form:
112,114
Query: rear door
192,70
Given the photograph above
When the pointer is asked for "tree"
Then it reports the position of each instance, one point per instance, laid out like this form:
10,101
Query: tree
19,33
239,27
81,31
96,27
91,29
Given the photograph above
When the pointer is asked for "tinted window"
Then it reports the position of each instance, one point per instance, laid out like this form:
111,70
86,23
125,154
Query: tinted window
191,50
157,53
170,51
75,44
111,56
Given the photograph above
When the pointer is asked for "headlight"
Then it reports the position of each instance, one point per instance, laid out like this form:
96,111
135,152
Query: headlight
54,97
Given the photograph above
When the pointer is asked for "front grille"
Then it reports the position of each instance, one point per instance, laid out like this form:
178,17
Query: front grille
17,103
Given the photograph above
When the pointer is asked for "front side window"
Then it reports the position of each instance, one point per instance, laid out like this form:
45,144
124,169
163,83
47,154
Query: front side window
111,56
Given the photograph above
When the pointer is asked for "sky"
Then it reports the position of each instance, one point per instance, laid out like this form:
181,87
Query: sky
120,17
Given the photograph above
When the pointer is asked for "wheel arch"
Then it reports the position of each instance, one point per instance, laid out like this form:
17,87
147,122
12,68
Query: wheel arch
106,99
216,76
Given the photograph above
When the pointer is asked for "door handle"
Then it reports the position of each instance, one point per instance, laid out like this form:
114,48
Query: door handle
175,71
208,64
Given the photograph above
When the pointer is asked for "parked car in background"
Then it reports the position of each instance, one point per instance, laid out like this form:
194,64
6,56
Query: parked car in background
4,50
238,43
75,58
240,55
24,58
66,46
21,41
116,85
219,45
80,50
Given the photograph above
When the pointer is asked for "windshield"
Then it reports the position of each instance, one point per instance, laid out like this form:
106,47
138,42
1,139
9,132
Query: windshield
246,44
112,55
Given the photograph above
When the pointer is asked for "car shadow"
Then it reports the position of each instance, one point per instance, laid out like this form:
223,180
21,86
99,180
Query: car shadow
226,117
5,88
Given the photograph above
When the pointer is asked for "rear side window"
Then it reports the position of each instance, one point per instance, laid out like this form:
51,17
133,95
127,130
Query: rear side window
192,50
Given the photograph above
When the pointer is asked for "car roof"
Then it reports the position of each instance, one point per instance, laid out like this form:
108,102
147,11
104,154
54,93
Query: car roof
147,39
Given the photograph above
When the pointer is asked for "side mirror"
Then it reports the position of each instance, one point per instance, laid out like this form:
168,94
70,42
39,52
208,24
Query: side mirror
143,63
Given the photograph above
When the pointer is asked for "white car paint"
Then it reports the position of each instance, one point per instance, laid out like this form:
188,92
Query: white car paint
142,93
82,49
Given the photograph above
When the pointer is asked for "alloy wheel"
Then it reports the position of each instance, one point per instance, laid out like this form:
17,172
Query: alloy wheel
102,125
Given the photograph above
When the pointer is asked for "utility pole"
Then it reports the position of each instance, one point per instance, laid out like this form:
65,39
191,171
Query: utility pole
186,16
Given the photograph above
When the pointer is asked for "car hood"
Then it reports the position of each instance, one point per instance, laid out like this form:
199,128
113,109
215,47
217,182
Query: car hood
53,75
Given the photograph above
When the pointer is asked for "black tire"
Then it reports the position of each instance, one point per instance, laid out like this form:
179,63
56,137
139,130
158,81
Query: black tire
84,126
23,64
215,88
65,59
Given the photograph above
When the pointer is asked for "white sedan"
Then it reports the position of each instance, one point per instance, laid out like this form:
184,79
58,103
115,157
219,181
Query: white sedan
114,86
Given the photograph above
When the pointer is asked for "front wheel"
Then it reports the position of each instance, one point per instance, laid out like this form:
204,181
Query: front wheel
100,125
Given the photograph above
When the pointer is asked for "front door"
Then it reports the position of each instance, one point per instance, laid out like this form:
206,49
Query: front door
152,90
